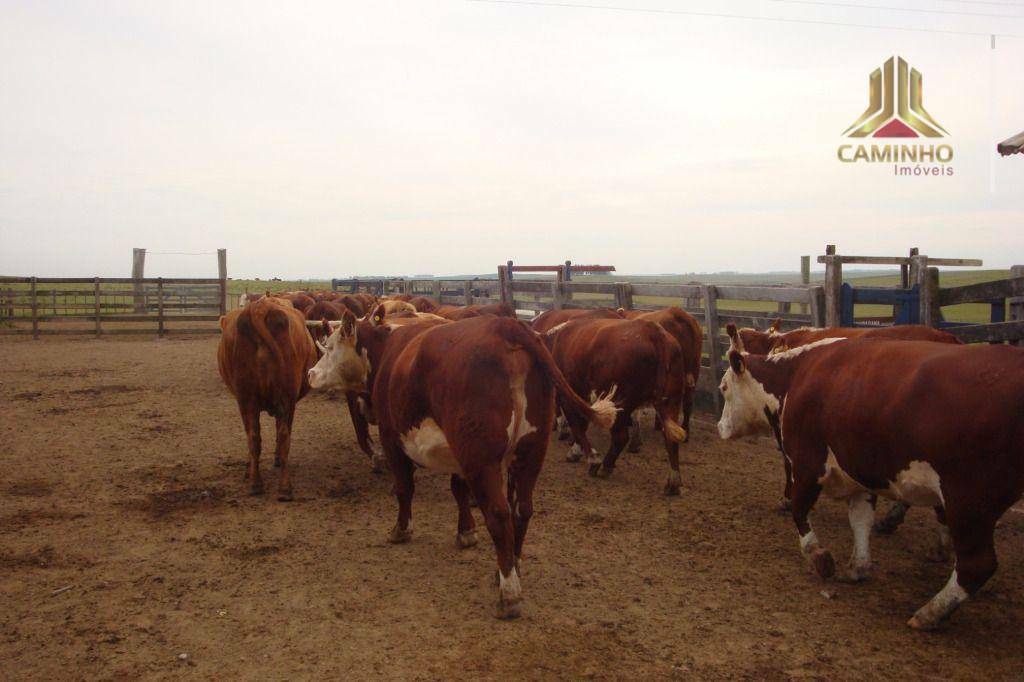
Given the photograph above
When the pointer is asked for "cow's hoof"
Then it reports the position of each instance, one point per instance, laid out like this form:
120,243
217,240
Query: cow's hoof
575,453
919,622
634,446
823,563
285,495
508,610
785,506
467,539
398,536
378,465
854,574
671,489
256,488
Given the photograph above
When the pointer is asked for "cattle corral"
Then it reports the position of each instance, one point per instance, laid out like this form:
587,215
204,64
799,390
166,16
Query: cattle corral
129,539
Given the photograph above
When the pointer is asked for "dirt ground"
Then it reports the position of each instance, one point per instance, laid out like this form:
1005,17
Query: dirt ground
127,540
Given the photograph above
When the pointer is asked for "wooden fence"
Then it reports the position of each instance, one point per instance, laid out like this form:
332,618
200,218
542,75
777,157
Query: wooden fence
713,305
105,305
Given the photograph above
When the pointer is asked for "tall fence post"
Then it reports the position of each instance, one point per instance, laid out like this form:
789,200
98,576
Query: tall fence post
467,291
504,285
138,272
222,274
817,295
96,301
714,346
805,277
435,288
35,311
1016,303
624,295
160,305
928,279
833,286
908,273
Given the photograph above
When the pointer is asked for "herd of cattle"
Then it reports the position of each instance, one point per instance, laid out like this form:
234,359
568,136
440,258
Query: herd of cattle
907,412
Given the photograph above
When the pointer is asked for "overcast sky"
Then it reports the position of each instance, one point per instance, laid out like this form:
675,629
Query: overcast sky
446,136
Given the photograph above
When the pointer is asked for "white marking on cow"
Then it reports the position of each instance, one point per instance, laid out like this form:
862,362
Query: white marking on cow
808,542
862,517
799,350
835,482
575,451
918,485
511,590
427,445
554,330
745,402
941,605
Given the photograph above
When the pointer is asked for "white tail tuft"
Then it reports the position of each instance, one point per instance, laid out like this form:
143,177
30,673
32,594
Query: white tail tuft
604,409
675,432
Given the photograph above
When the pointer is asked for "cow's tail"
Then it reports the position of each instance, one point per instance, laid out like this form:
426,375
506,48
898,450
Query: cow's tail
601,412
663,344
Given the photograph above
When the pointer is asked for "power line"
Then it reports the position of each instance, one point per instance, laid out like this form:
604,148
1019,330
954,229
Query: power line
748,17
821,3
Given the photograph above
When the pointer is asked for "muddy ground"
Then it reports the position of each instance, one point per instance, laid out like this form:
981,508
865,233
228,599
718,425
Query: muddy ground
127,540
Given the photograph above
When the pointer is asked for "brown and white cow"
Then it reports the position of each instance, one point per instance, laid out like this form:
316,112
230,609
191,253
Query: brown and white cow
936,425
473,399
638,363
264,356
773,341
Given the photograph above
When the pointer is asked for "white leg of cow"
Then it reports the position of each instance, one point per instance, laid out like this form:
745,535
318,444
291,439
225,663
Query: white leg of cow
944,603
563,428
862,517
575,453
510,594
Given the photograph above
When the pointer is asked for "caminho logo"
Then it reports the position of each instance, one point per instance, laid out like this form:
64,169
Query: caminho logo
896,110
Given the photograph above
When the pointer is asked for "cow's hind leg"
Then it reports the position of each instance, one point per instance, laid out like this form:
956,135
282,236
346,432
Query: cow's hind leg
888,524
862,515
486,484
635,439
943,548
619,438
281,452
466,534
402,468
805,493
362,429
975,564
251,422
580,443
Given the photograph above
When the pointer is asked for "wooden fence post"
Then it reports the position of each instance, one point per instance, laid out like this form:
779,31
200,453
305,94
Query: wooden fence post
908,273
35,311
222,275
817,295
435,288
1016,303
138,272
160,304
833,286
928,279
467,291
557,301
96,300
504,285
624,295
805,277
714,346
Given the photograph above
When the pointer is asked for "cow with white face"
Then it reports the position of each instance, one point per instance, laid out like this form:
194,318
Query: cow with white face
906,420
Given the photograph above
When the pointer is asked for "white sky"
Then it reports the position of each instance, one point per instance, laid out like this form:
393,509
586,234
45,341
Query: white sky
445,136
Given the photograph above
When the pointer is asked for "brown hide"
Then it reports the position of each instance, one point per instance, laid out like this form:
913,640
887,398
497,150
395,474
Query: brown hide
263,357
641,362
763,343
879,405
549,319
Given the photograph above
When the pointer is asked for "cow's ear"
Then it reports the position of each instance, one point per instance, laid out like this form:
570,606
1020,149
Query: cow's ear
734,337
348,323
775,325
736,361
621,312
378,315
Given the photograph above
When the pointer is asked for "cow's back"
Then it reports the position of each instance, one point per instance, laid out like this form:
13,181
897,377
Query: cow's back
265,353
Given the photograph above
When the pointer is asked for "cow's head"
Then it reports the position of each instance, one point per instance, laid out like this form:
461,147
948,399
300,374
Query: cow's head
341,364
747,403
